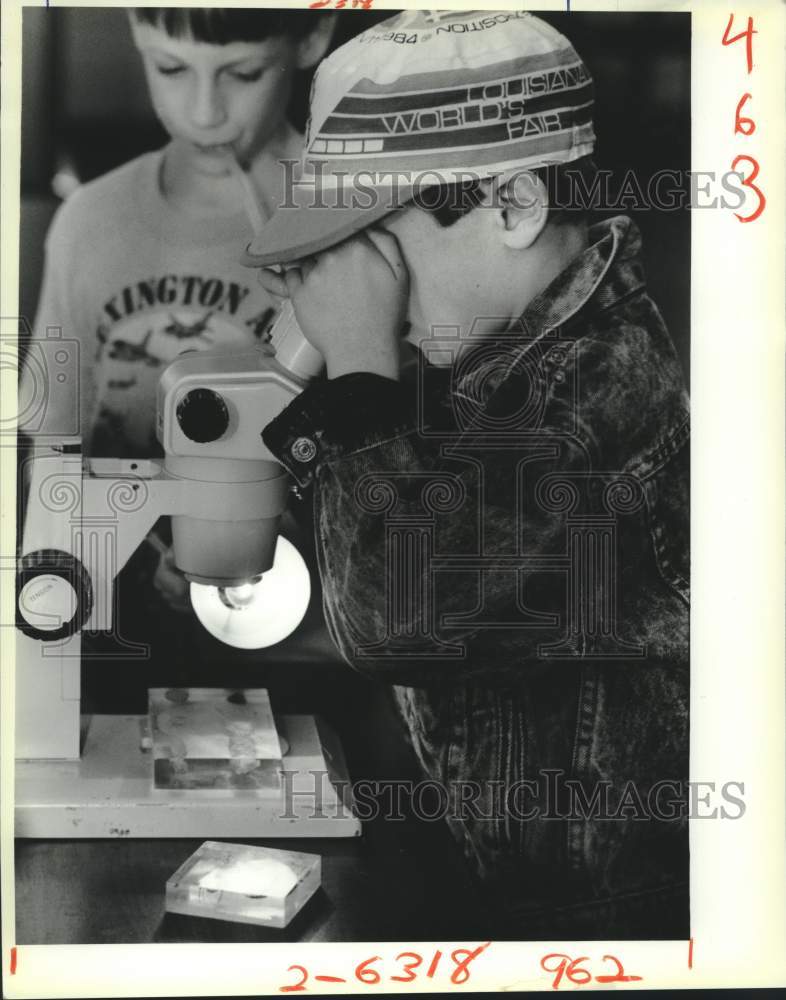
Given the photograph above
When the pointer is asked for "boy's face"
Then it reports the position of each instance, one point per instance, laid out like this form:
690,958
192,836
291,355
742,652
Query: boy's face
213,98
456,273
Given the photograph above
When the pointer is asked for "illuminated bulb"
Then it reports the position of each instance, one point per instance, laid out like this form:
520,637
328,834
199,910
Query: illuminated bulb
261,612
239,597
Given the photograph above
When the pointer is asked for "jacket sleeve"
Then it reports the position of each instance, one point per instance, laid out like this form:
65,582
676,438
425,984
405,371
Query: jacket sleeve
441,554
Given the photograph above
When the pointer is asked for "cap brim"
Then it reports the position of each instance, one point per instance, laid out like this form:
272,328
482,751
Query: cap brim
301,230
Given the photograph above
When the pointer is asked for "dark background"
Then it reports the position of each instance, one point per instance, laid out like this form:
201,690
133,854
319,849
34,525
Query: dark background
85,110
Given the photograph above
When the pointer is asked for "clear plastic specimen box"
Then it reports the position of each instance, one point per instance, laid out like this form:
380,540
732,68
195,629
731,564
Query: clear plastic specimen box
250,885
207,739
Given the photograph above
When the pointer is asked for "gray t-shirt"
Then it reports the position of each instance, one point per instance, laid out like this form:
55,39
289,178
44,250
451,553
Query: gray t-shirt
136,283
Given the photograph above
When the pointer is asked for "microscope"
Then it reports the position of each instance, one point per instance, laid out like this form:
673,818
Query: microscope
225,493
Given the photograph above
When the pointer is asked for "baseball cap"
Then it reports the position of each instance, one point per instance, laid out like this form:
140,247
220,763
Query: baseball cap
427,98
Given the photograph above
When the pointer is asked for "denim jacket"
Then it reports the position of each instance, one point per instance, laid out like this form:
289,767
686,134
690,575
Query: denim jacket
503,536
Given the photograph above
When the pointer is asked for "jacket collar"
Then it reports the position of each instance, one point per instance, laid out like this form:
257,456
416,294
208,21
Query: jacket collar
607,271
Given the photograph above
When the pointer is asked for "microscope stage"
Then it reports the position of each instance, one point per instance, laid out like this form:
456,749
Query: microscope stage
109,791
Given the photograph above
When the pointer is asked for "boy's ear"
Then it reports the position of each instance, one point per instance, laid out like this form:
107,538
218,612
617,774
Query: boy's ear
313,47
523,209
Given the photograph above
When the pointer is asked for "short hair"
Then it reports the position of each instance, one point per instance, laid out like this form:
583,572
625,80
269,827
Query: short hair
566,185
222,26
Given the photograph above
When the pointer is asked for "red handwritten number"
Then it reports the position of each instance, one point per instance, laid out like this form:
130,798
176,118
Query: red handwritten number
409,967
571,968
619,976
297,987
434,963
559,969
748,34
576,974
748,182
566,967
368,976
340,4
742,124
461,972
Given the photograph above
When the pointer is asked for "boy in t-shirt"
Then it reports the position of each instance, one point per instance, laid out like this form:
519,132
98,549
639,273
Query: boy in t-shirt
142,263
503,530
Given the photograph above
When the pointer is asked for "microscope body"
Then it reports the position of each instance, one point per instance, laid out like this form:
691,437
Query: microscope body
85,517
79,776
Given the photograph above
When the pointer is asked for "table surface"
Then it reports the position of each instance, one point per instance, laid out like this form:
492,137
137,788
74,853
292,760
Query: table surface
402,880
385,886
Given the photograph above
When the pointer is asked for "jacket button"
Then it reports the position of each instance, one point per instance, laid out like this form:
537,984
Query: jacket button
303,449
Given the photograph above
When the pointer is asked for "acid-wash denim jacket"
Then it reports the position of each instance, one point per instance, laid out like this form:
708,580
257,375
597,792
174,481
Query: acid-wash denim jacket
503,536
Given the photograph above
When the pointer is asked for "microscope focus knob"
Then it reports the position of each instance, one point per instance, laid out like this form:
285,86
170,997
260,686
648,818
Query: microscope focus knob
203,415
54,596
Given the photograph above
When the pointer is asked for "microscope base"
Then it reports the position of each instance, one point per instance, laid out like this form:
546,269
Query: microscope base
109,791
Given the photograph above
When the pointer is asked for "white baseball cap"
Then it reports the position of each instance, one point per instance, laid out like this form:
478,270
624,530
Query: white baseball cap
427,98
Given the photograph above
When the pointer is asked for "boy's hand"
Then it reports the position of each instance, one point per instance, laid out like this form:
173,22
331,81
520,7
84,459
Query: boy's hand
171,584
350,302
